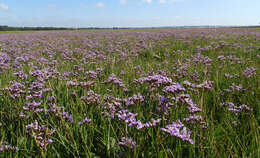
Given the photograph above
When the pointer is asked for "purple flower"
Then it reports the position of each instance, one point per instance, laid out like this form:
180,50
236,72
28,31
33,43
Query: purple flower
67,116
177,129
7,147
174,88
236,109
127,142
51,98
113,79
154,80
91,74
84,121
193,119
130,119
91,98
40,133
133,100
208,85
21,75
249,72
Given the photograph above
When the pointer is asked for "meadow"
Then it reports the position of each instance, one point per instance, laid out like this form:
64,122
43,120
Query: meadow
130,93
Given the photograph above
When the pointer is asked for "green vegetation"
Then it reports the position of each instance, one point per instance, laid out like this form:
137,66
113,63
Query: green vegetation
74,71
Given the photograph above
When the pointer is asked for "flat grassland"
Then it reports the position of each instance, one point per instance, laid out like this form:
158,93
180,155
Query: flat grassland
130,93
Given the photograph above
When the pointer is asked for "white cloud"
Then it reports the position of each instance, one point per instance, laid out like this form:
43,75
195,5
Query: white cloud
3,7
148,1
123,1
100,4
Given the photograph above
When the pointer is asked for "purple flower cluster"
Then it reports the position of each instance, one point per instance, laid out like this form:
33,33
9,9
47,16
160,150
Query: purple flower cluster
186,99
91,98
164,105
30,106
21,75
4,61
249,72
91,74
193,119
236,109
59,113
68,117
234,60
130,119
54,109
41,134
174,88
208,85
199,58
228,76
133,100
235,88
221,58
154,80
72,83
177,129
127,142
7,147
84,121
114,80
75,83
17,89
69,61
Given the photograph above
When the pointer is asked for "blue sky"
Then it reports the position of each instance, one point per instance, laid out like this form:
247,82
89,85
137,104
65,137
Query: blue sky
128,13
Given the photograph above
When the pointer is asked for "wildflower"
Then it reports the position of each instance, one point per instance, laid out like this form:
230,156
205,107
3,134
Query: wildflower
84,121
155,80
91,74
41,134
249,72
193,119
134,99
7,147
91,98
21,75
127,142
174,88
67,116
177,129
113,79
236,109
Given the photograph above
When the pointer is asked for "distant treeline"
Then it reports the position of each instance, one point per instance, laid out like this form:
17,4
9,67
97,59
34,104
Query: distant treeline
8,28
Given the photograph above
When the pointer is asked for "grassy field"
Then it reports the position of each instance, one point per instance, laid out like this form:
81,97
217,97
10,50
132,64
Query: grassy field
130,93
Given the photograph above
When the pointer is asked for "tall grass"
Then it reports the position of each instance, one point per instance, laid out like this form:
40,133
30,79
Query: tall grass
227,134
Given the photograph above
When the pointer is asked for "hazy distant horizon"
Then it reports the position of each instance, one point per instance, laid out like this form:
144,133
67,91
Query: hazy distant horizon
115,27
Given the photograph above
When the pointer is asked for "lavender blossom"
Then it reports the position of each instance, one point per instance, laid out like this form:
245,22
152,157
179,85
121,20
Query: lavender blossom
236,109
154,80
7,147
84,121
41,134
113,79
21,75
127,142
177,129
249,72
174,88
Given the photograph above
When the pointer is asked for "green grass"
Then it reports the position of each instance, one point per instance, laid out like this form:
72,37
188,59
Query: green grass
100,137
